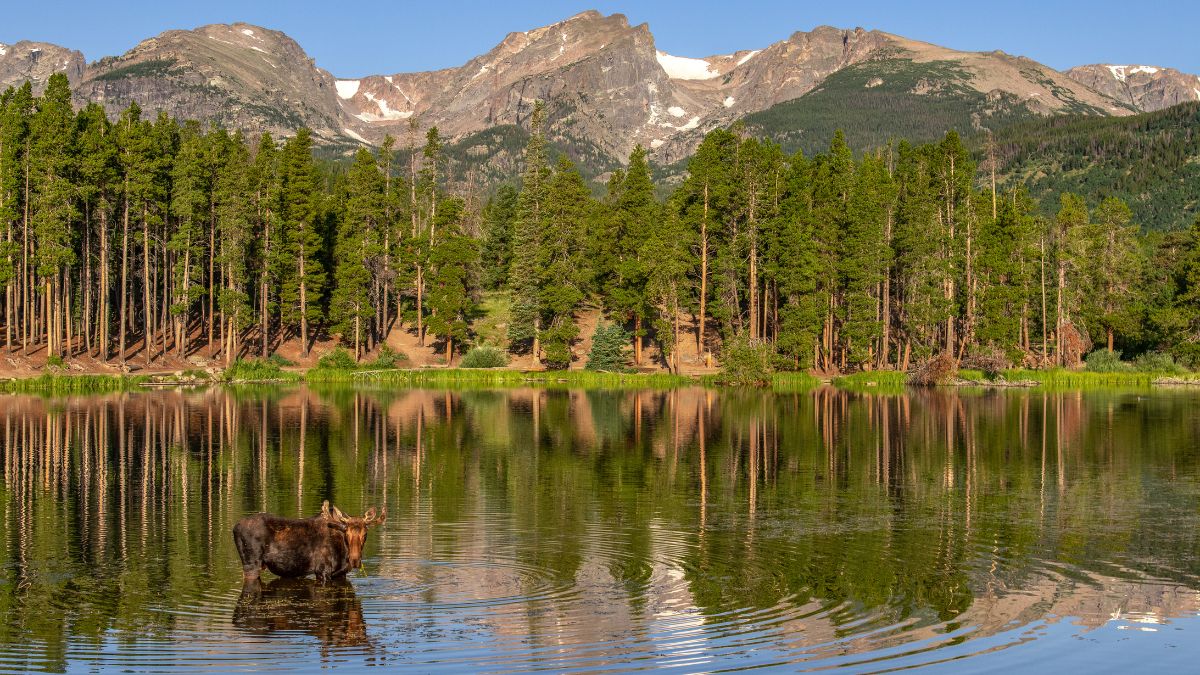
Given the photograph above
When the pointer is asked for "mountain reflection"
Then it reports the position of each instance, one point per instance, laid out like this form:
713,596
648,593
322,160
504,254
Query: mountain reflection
569,528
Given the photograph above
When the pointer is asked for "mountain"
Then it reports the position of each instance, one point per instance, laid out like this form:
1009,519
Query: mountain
1151,160
240,76
1145,88
36,62
606,84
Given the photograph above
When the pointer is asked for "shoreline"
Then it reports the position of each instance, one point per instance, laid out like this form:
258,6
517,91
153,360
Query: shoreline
865,382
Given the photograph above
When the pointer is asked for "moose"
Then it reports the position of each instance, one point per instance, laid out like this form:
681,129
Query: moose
328,545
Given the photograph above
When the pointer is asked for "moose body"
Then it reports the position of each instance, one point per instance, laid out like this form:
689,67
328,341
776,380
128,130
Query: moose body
328,545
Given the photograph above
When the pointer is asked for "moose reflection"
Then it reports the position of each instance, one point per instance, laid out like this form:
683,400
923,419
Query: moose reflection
327,610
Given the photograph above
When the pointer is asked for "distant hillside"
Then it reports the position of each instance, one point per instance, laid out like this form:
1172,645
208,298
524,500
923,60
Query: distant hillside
1152,161
886,99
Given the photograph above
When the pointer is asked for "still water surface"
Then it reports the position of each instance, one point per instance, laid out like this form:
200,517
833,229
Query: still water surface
560,530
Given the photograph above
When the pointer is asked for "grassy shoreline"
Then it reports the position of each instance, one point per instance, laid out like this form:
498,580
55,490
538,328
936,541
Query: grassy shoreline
257,373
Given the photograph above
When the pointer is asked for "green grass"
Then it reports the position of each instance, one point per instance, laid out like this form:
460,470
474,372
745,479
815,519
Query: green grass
257,370
71,384
495,377
1079,379
872,380
793,382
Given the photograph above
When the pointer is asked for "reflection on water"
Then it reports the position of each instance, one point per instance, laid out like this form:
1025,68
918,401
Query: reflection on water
329,611
557,529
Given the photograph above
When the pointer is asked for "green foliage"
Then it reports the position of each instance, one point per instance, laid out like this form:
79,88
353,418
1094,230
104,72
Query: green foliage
1157,362
484,356
1104,361
257,370
386,359
745,364
1150,161
919,101
338,359
610,349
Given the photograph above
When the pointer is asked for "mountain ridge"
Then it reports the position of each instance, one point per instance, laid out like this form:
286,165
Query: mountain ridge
605,82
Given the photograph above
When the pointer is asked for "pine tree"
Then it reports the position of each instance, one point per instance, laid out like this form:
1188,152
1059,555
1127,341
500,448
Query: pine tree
358,242
453,283
634,215
190,195
525,326
304,283
234,199
497,254
562,271
53,208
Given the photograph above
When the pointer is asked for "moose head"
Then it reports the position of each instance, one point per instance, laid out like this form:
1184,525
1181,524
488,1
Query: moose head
354,528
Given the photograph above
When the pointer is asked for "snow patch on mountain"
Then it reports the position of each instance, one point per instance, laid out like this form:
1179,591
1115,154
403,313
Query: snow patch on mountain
683,68
676,111
3,49
729,101
351,134
748,56
385,111
346,88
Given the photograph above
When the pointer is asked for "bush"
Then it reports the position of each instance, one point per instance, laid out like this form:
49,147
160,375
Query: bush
54,361
388,358
338,359
936,371
1187,354
610,349
1105,361
254,370
1158,362
746,364
484,356
280,361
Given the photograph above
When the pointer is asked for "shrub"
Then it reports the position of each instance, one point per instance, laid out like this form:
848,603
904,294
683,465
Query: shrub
388,358
279,360
254,370
1157,362
1187,354
610,349
54,361
746,364
338,359
1105,361
484,356
936,371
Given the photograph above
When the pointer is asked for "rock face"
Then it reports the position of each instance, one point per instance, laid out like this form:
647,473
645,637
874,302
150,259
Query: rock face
240,76
36,62
606,85
1146,88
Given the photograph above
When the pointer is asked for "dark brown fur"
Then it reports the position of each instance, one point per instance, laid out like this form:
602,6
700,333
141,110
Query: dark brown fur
328,545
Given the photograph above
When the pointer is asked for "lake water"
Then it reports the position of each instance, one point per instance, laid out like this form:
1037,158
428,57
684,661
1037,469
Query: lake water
691,530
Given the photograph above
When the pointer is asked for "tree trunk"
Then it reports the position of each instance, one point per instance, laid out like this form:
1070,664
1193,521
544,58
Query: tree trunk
147,307
124,284
700,326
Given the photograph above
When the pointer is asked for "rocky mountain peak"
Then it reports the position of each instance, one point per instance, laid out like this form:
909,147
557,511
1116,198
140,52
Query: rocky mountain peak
1145,88
36,62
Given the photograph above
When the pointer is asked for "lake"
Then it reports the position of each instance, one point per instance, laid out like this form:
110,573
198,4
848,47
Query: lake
692,530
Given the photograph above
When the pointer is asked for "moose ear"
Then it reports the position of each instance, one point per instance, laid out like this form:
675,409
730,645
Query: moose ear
333,524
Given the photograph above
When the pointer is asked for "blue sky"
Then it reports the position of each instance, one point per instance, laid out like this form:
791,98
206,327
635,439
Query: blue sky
359,38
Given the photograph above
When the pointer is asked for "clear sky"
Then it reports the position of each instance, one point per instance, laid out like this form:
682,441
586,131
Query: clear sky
360,38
